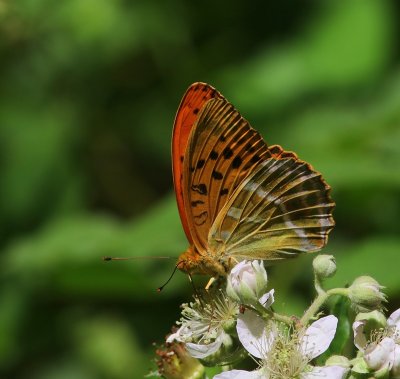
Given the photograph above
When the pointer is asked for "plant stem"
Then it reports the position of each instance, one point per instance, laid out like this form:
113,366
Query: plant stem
314,307
282,318
318,285
319,301
267,314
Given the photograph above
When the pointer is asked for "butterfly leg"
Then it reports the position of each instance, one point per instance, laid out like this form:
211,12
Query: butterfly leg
232,262
194,289
210,282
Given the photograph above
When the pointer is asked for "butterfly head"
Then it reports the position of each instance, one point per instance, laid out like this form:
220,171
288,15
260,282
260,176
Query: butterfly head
192,262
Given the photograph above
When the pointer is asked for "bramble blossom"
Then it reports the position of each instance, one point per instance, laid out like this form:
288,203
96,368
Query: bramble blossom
382,350
285,353
203,325
247,282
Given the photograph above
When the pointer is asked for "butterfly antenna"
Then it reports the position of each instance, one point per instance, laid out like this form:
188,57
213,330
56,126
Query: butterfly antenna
159,289
106,258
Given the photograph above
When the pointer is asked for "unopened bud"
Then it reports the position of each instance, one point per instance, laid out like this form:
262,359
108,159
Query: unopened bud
324,266
247,282
365,294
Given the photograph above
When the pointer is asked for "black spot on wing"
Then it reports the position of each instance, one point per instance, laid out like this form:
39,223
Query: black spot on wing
196,110
227,153
224,192
200,163
196,203
237,161
213,155
201,218
200,188
217,175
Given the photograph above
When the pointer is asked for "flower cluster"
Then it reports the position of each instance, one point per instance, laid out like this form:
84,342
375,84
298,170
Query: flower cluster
233,326
378,341
204,326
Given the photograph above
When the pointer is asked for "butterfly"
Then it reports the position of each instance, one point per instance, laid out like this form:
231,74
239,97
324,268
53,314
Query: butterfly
237,197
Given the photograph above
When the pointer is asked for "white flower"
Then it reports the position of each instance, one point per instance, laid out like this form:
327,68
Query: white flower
382,350
267,299
285,353
203,325
247,282
396,362
380,356
240,374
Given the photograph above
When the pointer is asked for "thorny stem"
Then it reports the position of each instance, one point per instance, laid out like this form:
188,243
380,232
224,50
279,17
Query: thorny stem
282,318
319,301
267,313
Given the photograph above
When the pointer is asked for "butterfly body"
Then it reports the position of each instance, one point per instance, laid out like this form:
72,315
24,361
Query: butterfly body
239,198
193,262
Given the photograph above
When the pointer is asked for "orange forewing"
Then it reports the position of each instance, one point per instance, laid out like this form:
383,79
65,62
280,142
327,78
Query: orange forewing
192,102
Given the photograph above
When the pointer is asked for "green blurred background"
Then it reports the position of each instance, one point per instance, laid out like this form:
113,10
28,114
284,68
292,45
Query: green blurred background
88,94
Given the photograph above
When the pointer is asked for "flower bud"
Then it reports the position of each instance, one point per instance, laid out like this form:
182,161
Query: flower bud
365,294
174,362
338,360
324,266
247,282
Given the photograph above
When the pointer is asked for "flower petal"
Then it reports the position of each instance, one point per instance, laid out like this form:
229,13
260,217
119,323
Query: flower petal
267,299
252,333
394,320
175,336
239,374
331,372
380,355
201,351
396,362
319,336
359,337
